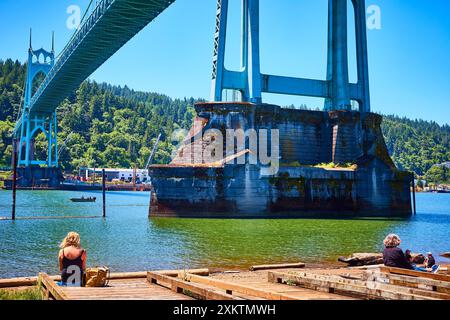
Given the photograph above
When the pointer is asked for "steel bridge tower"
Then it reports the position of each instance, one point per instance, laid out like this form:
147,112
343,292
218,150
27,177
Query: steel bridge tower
39,62
251,83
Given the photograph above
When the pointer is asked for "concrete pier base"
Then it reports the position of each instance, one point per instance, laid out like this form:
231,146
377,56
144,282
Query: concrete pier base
37,177
365,183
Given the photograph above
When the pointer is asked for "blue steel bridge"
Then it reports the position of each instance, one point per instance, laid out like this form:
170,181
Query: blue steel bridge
112,23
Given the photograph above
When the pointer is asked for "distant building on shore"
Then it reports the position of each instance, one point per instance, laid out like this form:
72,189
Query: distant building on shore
125,175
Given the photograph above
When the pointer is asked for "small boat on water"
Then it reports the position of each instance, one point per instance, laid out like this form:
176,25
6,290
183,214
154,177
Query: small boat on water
83,199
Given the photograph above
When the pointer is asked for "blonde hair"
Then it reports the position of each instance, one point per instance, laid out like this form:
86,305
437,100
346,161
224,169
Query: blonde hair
72,239
392,240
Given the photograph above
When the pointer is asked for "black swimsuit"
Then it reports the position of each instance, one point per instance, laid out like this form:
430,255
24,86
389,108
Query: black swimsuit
71,268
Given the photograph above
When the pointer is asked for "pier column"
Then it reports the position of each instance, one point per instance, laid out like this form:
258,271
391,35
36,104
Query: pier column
244,44
337,74
27,142
220,37
359,7
50,143
253,67
55,139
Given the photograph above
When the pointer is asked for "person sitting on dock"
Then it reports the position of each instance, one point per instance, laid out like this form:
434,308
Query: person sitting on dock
408,256
430,260
393,256
72,261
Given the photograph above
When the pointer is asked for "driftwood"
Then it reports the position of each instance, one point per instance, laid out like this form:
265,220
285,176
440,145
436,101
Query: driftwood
367,259
278,266
362,259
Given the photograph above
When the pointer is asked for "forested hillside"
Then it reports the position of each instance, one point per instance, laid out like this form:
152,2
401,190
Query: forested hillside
110,126
103,125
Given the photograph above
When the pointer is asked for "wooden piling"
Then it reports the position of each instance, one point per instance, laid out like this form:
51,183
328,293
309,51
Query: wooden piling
14,185
414,195
104,192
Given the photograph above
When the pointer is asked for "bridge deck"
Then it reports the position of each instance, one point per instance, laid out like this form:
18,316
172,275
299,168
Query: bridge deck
109,27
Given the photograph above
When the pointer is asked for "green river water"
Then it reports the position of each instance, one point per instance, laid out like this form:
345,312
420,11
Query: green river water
129,241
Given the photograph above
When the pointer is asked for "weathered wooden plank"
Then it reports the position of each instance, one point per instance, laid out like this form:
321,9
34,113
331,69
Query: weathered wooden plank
51,288
334,284
138,289
407,281
32,281
413,273
175,273
23,281
244,289
277,266
179,286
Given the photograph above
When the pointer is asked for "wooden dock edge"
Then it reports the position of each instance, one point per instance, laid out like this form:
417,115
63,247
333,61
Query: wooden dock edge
181,286
277,266
353,288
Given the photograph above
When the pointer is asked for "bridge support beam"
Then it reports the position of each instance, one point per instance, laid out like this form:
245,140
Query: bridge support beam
247,80
337,71
336,89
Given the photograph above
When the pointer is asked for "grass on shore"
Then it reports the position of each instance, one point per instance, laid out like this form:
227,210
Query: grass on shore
33,293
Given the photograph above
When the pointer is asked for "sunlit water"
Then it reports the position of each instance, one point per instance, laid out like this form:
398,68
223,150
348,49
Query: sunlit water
129,241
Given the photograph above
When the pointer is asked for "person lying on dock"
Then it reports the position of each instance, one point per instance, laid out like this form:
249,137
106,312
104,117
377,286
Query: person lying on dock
72,261
429,264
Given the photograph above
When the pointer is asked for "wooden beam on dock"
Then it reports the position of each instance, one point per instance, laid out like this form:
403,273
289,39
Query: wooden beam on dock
32,281
180,286
354,288
407,281
231,288
23,281
278,266
179,273
413,273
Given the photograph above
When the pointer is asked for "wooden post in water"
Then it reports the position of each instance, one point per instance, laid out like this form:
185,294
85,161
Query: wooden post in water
414,194
104,192
134,178
14,186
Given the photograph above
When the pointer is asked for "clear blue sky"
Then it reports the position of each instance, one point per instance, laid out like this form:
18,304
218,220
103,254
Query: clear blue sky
409,57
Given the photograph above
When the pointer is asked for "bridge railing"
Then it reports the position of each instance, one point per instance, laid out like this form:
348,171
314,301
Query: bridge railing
83,30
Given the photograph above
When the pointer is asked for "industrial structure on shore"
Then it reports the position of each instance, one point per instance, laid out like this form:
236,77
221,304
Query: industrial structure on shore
370,185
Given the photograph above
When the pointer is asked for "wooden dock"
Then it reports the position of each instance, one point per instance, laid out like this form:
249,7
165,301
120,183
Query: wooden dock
279,283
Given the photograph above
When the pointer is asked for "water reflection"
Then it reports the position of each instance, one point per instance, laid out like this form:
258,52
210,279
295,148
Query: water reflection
244,242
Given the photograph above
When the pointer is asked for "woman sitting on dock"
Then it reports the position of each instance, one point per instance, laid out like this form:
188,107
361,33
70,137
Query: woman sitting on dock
393,256
72,261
